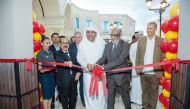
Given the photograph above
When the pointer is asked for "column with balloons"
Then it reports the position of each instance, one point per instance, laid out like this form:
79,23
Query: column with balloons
38,30
170,47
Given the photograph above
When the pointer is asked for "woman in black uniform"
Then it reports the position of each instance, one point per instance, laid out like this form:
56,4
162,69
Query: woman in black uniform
46,77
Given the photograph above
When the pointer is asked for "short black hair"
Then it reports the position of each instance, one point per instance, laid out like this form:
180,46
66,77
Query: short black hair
133,37
136,32
54,34
71,38
44,38
62,37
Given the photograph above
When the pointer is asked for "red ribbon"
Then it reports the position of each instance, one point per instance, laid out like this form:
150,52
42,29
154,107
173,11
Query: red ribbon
97,74
28,65
28,62
175,63
98,71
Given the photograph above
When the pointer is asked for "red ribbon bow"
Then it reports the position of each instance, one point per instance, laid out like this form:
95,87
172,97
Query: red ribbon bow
94,83
29,65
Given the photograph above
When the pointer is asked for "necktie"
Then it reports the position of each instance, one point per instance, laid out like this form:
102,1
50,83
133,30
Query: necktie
114,46
68,59
114,50
67,56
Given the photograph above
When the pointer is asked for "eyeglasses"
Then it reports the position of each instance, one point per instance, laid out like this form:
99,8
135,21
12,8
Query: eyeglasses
115,35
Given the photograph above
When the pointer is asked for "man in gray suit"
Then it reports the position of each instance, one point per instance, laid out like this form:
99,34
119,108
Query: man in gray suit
115,56
148,52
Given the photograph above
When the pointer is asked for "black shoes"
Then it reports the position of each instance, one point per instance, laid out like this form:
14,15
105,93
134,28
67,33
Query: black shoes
83,103
52,106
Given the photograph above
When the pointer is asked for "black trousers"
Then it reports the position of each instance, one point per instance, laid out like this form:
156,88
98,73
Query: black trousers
81,88
122,90
68,95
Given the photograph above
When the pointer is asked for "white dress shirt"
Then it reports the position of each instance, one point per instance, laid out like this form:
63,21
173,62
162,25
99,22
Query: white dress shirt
69,57
56,47
148,58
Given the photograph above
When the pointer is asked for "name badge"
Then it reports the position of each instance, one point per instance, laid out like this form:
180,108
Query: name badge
47,56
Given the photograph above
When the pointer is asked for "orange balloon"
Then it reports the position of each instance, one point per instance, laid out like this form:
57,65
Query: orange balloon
37,36
166,93
170,56
170,35
167,75
174,10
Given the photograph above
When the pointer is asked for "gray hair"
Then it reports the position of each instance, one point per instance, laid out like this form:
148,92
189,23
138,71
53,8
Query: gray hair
77,32
153,23
118,30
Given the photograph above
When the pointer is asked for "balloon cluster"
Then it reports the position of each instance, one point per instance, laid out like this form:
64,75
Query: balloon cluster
170,47
38,30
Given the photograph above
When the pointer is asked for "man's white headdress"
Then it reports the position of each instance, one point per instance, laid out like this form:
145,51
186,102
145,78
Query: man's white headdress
98,39
90,52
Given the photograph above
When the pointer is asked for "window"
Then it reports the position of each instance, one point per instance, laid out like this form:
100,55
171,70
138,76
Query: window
106,26
77,23
88,23
117,24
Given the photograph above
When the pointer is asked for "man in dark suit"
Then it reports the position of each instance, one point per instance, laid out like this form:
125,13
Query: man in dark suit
74,48
67,77
148,52
114,57
54,47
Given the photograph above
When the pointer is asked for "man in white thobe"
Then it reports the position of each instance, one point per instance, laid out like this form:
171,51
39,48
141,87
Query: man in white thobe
90,50
136,91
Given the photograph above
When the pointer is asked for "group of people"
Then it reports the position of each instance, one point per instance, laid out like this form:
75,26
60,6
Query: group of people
90,51
64,79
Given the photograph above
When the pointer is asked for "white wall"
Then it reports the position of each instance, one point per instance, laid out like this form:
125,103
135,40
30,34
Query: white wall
16,29
184,30
98,19
128,28
84,15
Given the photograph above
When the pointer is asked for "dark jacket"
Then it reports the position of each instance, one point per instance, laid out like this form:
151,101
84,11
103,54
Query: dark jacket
73,48
119,60
64,73
53,49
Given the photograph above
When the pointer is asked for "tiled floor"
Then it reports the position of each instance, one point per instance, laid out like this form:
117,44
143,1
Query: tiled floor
118,104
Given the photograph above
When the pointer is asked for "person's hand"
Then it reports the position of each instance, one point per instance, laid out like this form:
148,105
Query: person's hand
54,65
96,65
69,63
44,70
90,67
77,76
137,71
158,76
